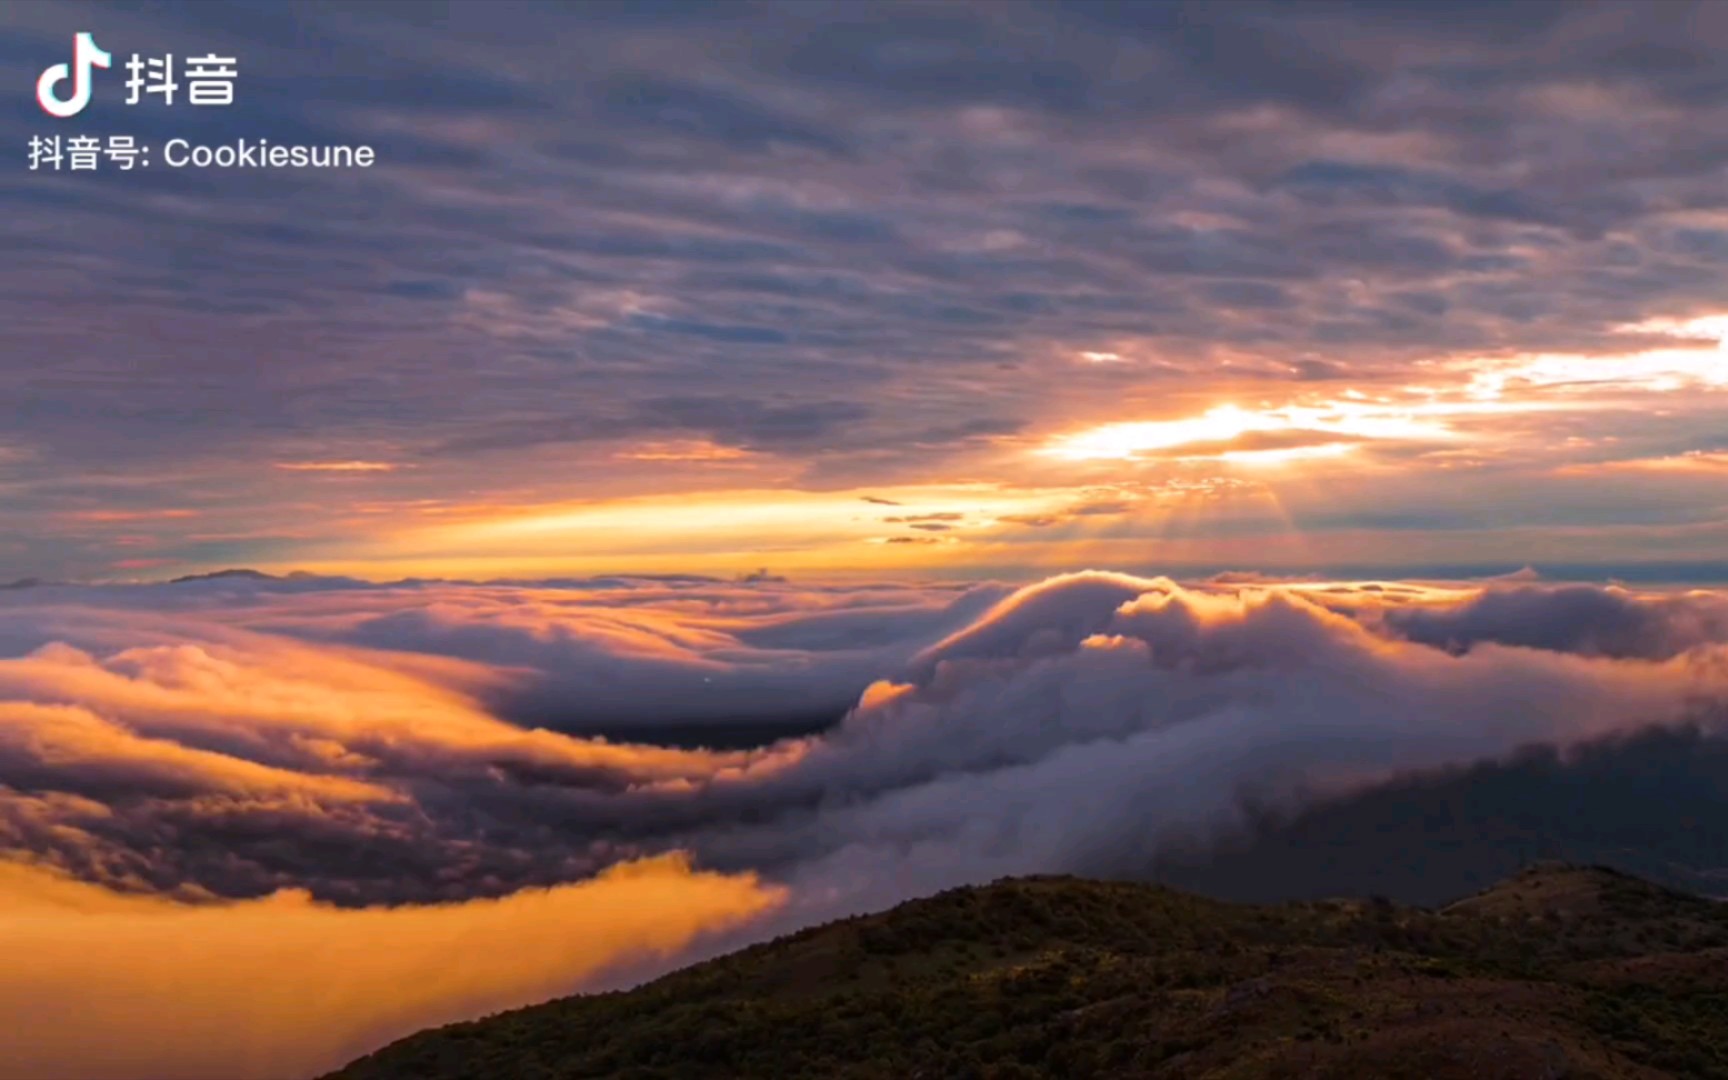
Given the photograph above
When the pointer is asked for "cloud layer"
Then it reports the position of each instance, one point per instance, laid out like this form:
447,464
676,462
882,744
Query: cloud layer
233,755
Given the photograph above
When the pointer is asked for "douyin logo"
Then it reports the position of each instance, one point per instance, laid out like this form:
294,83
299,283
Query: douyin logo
86,54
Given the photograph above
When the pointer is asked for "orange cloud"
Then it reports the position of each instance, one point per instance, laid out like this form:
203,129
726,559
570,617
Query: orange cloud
102,986
1231,429
142,564
690,532
337,466
291,698
684,451
1696,462
70,740
104,517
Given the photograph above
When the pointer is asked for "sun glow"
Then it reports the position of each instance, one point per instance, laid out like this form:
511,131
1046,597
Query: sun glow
709,532
1700,362
1268,436
337,466
1661,371
1128,440
1288,455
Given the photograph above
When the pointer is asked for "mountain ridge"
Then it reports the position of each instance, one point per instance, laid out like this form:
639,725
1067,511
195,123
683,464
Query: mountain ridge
1559,971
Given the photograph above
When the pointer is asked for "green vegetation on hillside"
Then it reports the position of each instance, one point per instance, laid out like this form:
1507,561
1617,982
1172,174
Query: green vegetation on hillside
1559,972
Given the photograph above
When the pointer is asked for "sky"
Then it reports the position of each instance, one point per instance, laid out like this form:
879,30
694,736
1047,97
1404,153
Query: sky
935,289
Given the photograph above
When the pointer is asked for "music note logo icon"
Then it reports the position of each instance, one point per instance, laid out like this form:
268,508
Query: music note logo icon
86,54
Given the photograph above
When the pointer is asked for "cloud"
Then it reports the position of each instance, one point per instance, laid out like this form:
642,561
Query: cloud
1096,719
244,763
1703,462
127,516
1255,442
285,986
608,655
337,466
1570,618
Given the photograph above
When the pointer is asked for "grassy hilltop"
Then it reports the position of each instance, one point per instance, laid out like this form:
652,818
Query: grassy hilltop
1559,972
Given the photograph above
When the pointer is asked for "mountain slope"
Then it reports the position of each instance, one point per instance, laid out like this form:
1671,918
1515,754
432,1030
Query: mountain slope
1558,972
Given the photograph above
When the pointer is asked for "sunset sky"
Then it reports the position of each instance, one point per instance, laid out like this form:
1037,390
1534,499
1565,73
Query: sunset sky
945,288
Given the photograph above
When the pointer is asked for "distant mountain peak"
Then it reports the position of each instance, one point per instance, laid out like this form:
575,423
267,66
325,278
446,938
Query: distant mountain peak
237,573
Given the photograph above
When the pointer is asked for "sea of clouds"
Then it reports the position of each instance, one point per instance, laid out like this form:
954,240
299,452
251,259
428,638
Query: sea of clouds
254,826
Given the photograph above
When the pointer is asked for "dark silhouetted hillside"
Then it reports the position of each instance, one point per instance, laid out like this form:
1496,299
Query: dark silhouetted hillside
1558,972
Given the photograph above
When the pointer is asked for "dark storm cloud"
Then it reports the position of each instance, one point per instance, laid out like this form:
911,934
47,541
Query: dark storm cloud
620,208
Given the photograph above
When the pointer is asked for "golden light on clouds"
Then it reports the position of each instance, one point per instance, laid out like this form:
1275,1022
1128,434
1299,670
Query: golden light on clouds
719,509
337,466
1263,458
1702,328
1127,440
110,517
685,450
1658,371
724,531
98,984
1231,433
1699,359
743,516
1696,462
